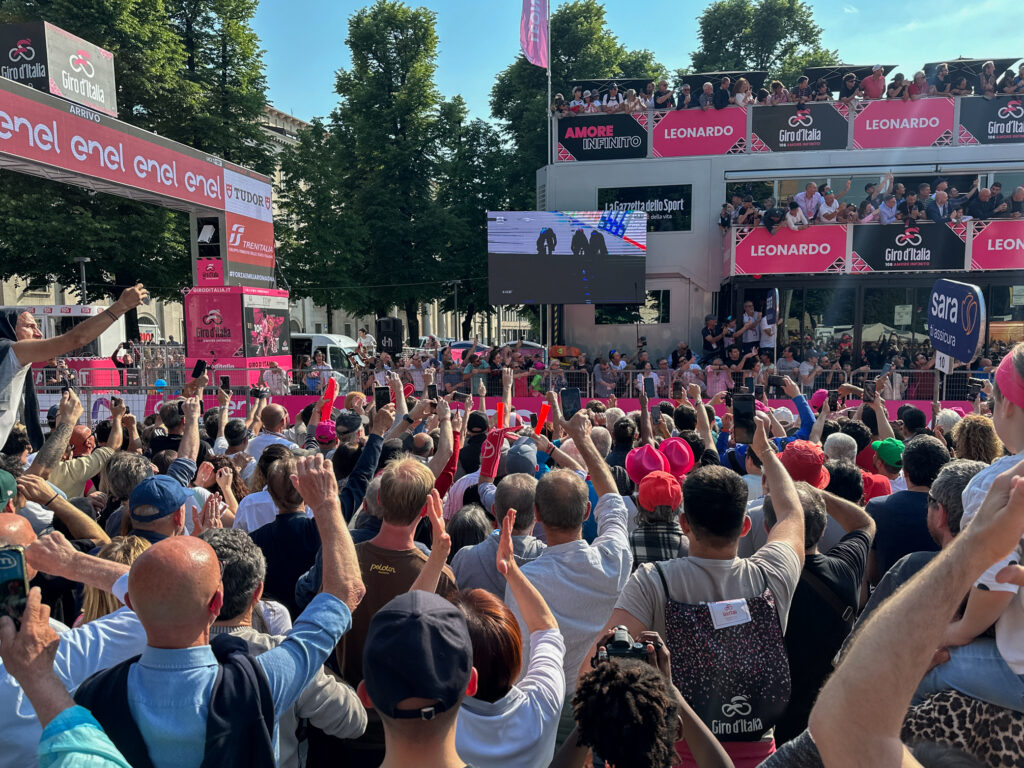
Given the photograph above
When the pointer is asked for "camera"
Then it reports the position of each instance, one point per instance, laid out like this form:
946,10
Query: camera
776,381
620,646
259,392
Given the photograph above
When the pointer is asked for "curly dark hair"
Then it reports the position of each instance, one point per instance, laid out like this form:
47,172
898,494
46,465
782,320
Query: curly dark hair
624,712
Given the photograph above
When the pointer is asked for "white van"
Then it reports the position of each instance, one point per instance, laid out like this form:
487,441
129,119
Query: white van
336,349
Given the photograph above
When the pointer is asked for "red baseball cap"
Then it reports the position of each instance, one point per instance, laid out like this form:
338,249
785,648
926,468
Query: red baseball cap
805,461
660,489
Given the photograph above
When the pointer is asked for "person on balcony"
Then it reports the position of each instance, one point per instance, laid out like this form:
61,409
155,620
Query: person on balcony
987,80
809,200
664,97
795,219
873,85
612,100
773,215
632,102
779,94
983,205
821,91
849,91
866,213
939,210
576,105
899,88
911,209
941,86
723,97
887,214
919,88
802,93
685,100
589,107
707,97
741,94
961,88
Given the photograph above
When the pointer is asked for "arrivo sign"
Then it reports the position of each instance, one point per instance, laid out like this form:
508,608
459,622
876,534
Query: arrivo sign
898,123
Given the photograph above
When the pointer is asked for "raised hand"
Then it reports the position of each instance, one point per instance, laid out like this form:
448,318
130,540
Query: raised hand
132,297
314,480
505,559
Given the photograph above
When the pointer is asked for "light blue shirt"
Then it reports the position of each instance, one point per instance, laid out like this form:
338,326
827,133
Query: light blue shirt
82,652
73,739
169,689
886,215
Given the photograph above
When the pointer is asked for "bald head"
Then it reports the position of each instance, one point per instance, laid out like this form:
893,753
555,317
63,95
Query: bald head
175,589
274,417
16,531
940,198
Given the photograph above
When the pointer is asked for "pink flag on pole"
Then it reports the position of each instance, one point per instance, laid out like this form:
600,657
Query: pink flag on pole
533,32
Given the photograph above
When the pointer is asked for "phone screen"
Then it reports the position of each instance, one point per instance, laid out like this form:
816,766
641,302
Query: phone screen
743,410
199,370
381,397
225,383
571,403
758,390
868,395
833,399
13,583
432,391
649,387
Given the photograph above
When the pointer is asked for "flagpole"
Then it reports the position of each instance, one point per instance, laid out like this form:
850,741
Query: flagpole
548,108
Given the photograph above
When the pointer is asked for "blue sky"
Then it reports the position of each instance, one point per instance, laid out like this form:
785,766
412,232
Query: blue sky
305,39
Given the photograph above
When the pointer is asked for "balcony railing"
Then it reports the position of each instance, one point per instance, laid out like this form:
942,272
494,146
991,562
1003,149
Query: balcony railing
877,124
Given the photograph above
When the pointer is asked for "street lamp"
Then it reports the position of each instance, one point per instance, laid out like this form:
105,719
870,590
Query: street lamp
82,261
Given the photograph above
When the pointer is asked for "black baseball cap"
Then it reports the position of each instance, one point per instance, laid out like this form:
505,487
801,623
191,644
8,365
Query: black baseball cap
477,422
418,646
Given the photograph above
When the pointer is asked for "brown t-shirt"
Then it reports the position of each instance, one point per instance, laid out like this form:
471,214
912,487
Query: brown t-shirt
387,573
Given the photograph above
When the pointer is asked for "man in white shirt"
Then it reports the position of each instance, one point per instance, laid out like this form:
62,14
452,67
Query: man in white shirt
275,379
366,341
766,331
612,100
275,421
751,322
580,582
830,204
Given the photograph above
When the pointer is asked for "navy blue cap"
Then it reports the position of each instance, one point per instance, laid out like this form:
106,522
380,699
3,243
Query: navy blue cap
161,492
418,646
51,414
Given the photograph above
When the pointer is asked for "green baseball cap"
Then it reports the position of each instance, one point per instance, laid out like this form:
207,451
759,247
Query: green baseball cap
8,488
890,451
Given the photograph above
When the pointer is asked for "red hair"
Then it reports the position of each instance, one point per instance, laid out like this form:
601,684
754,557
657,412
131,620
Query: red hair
497,642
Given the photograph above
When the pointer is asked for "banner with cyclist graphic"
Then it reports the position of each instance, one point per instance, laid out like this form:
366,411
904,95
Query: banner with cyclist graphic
895,248
49,59
792,128
991,121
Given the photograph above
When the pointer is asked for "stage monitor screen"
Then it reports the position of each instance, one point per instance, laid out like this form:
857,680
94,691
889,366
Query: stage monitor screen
566,257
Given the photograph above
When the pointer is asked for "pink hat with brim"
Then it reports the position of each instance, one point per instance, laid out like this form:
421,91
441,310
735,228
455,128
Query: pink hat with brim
678,454
641,461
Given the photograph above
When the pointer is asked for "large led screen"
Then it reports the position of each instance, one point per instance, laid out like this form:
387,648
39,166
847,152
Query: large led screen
566,257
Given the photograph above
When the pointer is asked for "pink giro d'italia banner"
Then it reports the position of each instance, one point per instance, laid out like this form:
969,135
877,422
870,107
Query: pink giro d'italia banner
687,132
533,32
813,250
998,245
895,123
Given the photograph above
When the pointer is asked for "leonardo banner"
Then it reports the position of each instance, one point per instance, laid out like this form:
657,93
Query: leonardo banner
799,127
814,250
991,121
997,244
602,137
894,123
895,248
689,132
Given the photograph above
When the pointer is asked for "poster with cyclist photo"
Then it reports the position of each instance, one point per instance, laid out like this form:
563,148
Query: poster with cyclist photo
267,333
991,121
799,127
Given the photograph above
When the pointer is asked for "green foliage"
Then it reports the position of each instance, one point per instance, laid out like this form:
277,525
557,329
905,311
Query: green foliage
777,36
582,47
46,224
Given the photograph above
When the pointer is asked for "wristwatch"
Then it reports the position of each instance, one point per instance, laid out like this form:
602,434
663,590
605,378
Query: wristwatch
407,417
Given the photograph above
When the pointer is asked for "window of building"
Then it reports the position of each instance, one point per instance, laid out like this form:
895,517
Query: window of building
653,312
348,329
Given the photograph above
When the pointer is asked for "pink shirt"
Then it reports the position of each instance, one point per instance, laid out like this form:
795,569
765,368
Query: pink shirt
873,87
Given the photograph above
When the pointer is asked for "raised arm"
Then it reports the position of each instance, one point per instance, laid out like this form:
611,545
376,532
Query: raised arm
882,417
41,350
646,428
79,525
579,427
819,423
859,713
189,446
56,443
445,443
703,423
53,554
440,546
851,517
117,413
535,612
788,511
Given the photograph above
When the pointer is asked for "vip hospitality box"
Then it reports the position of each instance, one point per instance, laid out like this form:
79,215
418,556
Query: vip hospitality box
49,59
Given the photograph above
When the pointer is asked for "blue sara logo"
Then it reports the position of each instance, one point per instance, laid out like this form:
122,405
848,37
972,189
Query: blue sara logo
100,402
956,319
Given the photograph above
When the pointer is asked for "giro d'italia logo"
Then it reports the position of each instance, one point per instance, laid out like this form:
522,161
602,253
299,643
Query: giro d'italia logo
80,62
802,119
1013,109
22,51
738,707
910,237
213,317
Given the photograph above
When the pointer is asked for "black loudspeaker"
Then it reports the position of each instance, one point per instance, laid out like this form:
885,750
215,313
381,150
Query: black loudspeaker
389,335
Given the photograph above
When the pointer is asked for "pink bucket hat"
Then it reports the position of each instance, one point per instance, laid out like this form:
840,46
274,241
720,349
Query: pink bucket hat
641,461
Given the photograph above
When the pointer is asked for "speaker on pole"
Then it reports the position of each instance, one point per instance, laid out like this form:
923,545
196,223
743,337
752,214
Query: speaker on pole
389,335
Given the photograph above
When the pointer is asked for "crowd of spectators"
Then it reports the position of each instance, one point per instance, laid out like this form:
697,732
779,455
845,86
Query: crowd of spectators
726,93
430,581
886,202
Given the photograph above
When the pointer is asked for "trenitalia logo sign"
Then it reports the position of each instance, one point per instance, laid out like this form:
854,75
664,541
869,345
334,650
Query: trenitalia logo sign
898,123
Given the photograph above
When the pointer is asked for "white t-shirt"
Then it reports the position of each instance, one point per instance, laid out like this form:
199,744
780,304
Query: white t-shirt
519,728
256,510
12,387
368,342
826,208
767,331
795,218
614,101
750,335
260,442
